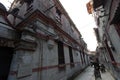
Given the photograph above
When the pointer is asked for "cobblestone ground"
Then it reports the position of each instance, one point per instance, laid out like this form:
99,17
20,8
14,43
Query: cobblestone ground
88,74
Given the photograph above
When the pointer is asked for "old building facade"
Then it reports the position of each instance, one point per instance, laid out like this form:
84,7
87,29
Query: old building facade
40,41
106,14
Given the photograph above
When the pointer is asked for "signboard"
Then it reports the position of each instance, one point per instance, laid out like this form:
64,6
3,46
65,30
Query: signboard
89,6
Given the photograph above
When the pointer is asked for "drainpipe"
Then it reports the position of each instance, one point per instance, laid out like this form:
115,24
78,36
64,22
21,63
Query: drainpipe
40,62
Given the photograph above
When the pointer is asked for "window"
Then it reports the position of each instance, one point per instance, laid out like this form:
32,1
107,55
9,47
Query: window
29,7
58,12
98,3
117,27
81,54
83,57
109,51
61,59
15,11
58,15
71,57
116,19
28,1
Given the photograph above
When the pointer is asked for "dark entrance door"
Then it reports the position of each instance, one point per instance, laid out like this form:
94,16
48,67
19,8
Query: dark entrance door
5,61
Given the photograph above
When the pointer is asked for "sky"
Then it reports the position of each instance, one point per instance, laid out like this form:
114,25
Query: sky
6,3
84,22
77,11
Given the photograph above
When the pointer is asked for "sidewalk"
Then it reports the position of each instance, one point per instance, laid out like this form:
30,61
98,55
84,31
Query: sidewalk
88,74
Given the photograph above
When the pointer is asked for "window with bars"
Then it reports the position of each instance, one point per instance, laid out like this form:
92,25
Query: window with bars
61,58
71,57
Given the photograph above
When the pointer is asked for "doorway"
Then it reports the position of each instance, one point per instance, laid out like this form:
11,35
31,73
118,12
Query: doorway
6,55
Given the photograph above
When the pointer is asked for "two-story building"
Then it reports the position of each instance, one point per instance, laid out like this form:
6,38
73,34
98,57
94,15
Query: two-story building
39,41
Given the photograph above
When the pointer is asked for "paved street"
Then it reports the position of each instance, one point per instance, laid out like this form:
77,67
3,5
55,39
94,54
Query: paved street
88,75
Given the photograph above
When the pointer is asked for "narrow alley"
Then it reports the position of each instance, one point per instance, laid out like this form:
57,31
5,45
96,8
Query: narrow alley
59,39
88,74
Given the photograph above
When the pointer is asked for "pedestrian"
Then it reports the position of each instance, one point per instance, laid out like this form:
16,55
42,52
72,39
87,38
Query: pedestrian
91,64
97,70
102,68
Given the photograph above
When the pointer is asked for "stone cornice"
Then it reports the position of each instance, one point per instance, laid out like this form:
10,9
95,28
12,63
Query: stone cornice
37,14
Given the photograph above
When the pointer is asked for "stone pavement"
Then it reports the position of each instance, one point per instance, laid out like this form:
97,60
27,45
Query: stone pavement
88,74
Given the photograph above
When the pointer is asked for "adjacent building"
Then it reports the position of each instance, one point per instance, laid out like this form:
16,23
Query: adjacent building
107,18
39,41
